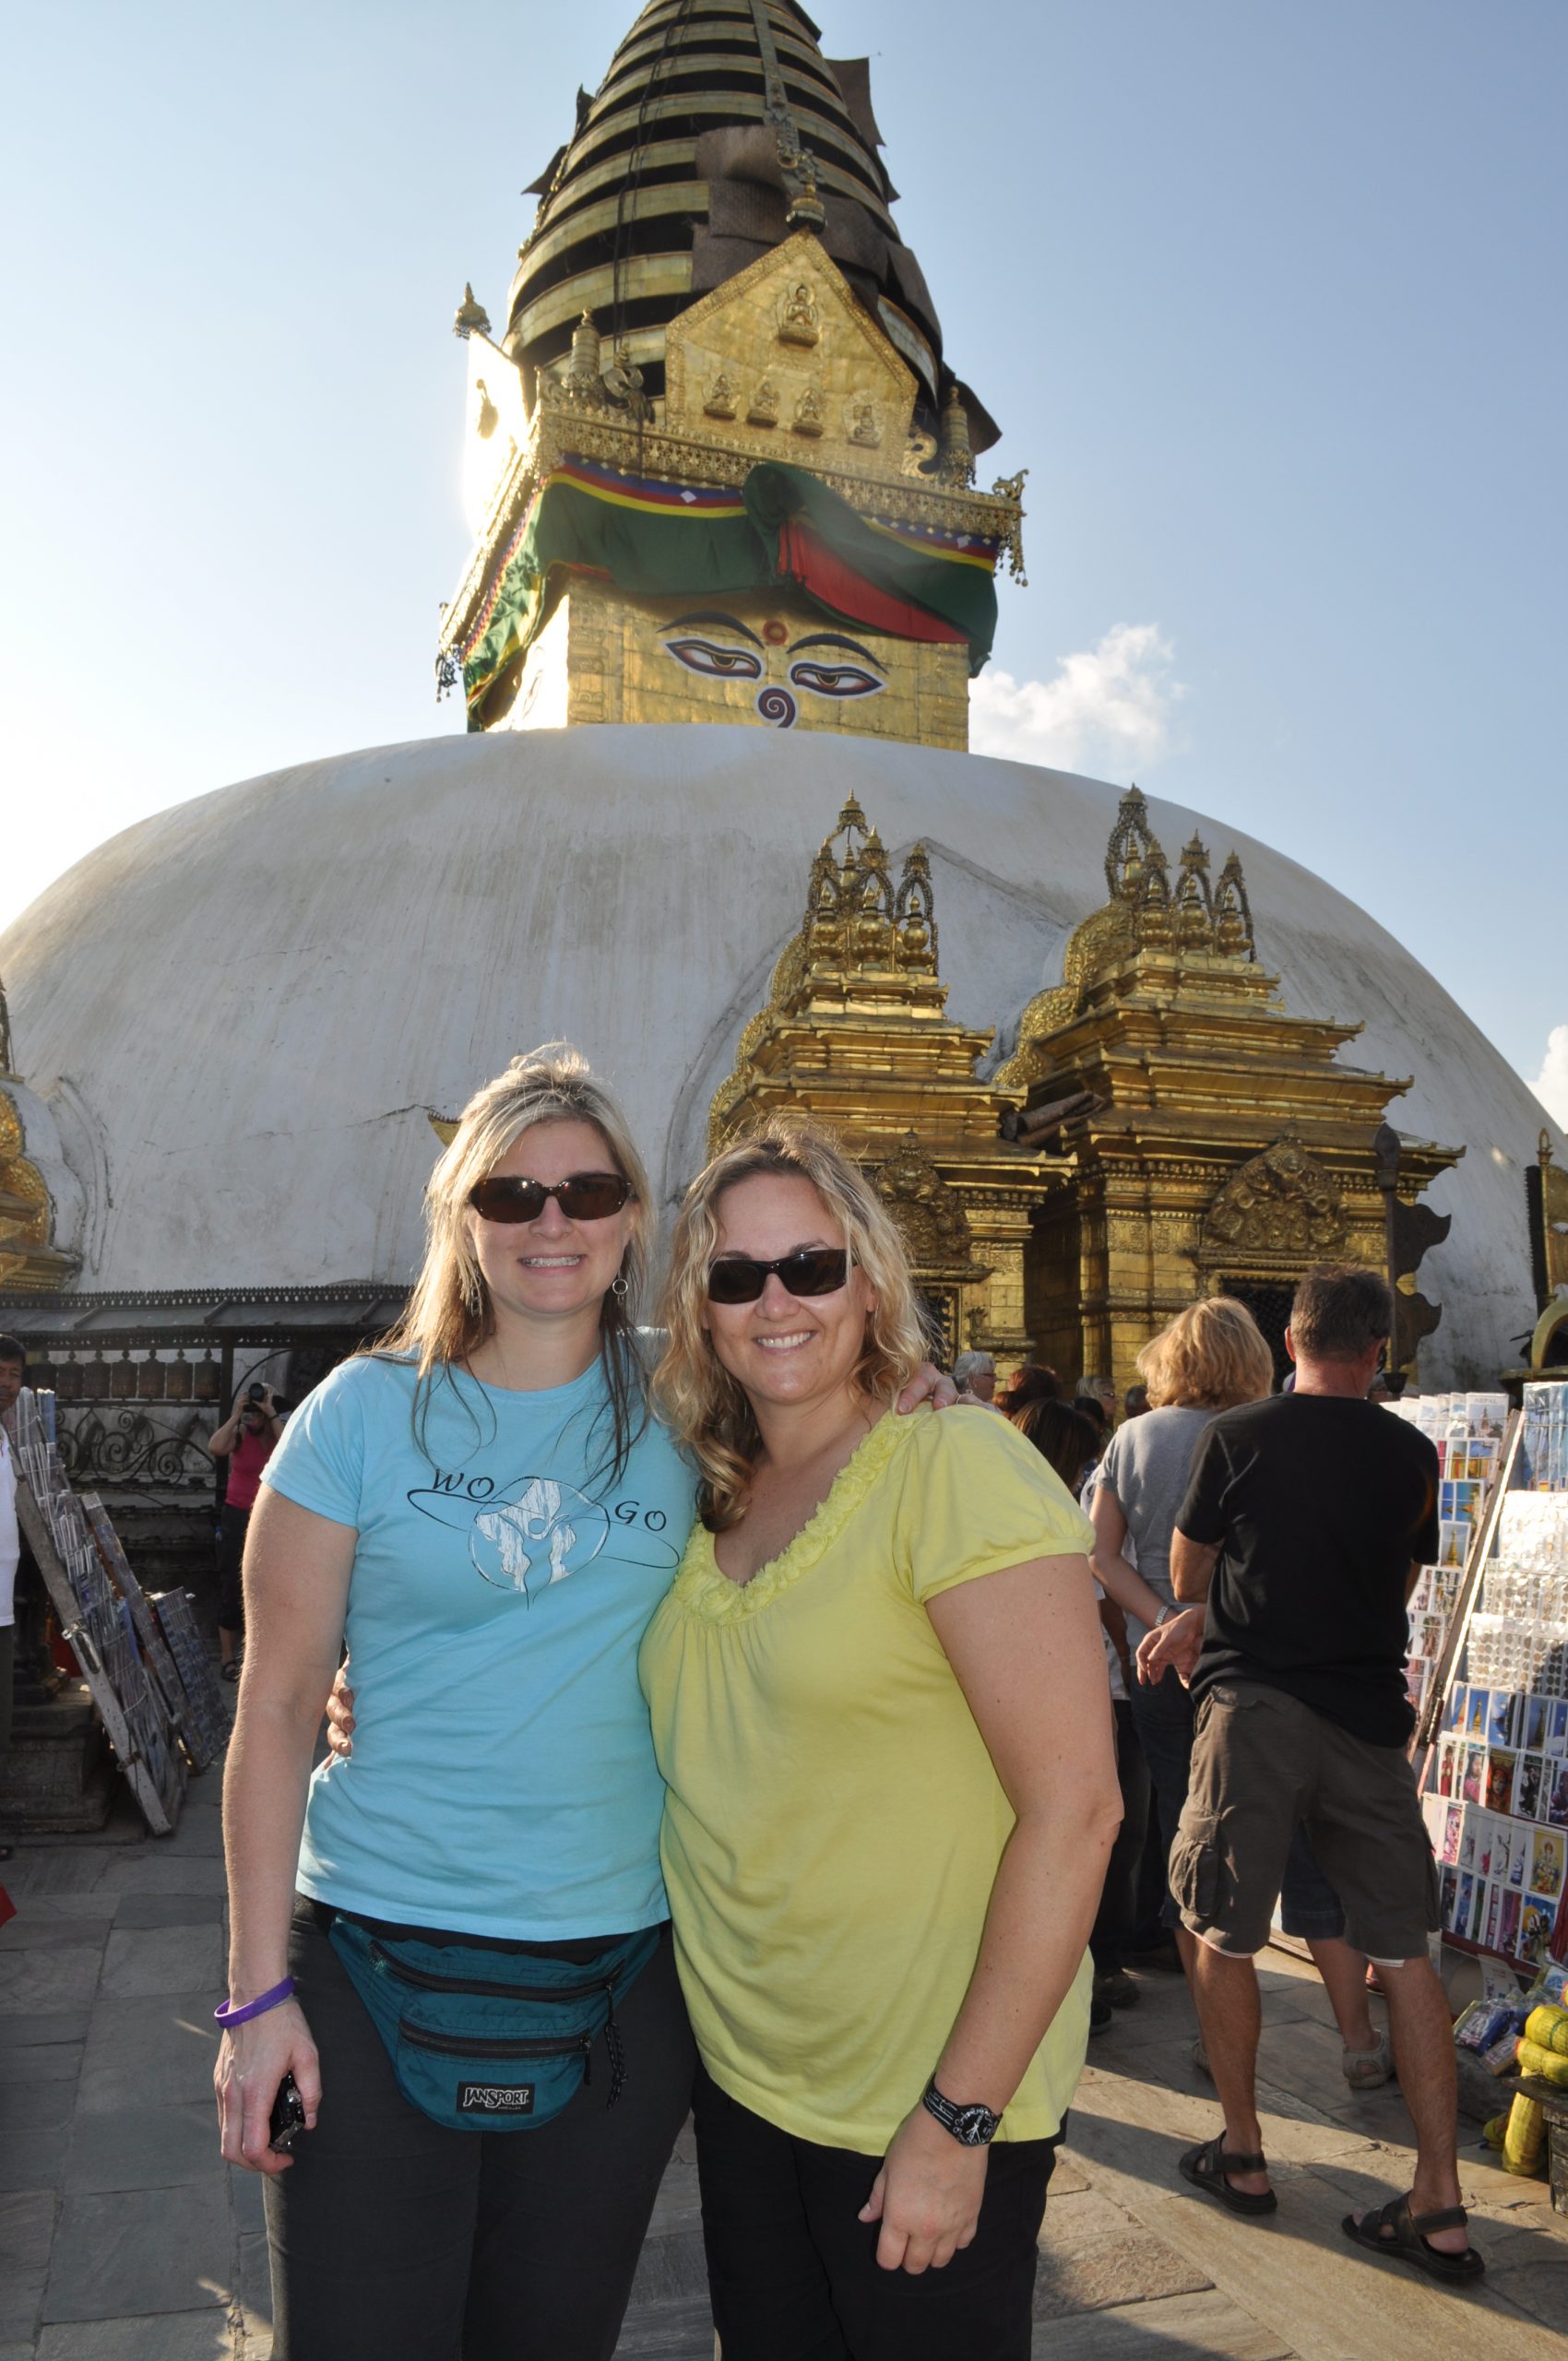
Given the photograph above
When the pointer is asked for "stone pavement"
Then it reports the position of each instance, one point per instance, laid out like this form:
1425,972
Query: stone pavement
123,2237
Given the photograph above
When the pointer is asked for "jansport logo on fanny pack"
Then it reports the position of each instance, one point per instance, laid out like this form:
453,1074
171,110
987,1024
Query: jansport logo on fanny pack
496,2099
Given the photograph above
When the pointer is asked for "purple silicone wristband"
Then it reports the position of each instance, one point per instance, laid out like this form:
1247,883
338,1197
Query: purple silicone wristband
226,2012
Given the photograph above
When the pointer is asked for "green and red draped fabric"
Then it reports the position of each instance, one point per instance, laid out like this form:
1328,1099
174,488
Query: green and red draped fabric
783,526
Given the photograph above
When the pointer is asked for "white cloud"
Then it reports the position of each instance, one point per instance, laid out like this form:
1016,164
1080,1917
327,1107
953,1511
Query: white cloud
1550,1085
1109,708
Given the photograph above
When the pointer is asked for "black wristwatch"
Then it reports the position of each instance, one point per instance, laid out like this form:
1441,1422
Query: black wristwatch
975,2126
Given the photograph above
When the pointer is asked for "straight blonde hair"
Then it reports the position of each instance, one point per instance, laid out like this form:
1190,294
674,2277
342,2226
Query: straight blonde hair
1212,1357
706,1409
449,1315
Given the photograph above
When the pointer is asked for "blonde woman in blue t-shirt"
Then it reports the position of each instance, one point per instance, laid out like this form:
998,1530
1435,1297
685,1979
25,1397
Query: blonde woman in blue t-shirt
880,1709
456,1943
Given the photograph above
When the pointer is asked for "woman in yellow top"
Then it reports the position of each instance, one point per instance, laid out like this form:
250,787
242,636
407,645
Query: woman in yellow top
879,1705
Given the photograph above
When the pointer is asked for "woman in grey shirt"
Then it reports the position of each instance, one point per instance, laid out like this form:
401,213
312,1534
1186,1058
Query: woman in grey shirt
1211,1358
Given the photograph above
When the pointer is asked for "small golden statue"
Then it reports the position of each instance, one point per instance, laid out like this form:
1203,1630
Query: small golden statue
809,418
721,396
797,319
762,409
860,424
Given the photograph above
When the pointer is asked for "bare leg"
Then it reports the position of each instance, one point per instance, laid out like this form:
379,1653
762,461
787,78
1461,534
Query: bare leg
1423,2052
1344,1975
1230,2013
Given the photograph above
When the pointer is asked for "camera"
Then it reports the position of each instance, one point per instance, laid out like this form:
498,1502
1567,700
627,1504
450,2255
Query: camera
256,1396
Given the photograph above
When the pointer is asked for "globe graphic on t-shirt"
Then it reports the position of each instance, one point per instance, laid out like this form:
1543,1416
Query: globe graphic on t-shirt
528,1544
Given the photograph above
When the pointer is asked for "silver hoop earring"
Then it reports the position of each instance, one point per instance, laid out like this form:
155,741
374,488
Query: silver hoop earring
619,1288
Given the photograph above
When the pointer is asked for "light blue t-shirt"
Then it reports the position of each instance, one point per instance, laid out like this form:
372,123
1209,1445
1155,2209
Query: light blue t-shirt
503,1779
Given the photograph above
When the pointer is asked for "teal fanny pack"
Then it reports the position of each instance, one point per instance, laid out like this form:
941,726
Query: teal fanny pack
484,2038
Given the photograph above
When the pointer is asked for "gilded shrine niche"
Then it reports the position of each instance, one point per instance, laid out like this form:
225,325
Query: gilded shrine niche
30,1261
1217,1141
1280,1207
855,1035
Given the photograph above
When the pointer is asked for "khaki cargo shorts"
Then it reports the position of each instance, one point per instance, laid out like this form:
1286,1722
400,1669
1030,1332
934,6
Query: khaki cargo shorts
1262,1764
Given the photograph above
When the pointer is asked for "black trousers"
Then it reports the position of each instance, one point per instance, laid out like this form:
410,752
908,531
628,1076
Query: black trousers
233,1527
1114,1923
794,2274
394,2237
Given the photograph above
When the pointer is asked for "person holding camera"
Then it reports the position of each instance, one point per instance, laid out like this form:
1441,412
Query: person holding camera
247,1439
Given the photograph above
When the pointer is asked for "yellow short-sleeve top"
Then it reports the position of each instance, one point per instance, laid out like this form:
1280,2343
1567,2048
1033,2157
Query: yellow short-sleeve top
833,1822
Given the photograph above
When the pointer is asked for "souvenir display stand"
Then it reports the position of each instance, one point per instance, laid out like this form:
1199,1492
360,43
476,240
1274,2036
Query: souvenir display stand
154,1689
1495,1784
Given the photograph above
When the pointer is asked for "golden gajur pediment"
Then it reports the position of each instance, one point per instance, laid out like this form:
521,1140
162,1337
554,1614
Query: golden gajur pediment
783,357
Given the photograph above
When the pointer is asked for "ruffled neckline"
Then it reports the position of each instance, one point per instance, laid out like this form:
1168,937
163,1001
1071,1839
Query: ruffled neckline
704,1589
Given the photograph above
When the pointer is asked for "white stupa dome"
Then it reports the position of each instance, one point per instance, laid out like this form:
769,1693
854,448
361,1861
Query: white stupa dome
240,1013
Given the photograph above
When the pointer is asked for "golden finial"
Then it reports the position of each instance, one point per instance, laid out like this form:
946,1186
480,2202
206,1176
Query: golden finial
471,316
958,455
806,209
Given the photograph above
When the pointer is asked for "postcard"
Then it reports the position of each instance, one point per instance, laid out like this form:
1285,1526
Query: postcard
1450,1897
1493,1915
1500,1783
1529,1786
1501,1718
1465,1908
1546,1867
1557,1802
1447,1776
1535,1931
1556,1725
1473,1776
1531,1720
1508,1924
1453,1829
1480,1702
1453,1719
1470,1839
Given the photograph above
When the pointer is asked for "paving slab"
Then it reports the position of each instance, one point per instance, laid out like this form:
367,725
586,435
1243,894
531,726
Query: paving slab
141,1960
1205,2327
35,2106
27,2228
671,2267
35,2032
170,1909
166,1873
142,2147
190,2336
136,2251
1093,2254
674,2330
47,2062
143,2051
34,2159
64,1977
36,1928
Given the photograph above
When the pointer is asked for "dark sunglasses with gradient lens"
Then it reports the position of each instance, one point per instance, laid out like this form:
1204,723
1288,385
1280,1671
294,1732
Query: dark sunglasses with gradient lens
584,1196
814,1270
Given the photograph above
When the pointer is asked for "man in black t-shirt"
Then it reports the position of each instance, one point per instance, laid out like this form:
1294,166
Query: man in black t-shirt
1306,1520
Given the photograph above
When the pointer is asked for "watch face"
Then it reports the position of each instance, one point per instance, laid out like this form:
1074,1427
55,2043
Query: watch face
974,2125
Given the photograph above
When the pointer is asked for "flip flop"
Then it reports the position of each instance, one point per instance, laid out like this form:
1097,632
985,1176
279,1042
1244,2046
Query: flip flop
1407,2241
1206,2166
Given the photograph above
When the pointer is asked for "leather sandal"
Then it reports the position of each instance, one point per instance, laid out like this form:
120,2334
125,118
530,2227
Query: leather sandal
1206,2166
1395,2231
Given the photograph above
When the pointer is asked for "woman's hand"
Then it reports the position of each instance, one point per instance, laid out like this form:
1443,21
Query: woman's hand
928,1384
251,2061
1178,1641
927,2196
340,1715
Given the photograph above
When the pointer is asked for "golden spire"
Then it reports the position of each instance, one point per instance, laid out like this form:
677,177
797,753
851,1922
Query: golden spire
470,316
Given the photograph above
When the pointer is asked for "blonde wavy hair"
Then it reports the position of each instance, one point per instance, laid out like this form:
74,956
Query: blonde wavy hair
706,1409
1212,1357
449,1314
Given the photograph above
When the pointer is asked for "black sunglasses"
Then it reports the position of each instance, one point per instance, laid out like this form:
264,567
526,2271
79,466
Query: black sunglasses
586,1196
810,1270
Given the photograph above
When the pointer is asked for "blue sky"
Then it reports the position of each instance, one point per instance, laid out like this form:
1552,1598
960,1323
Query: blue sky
1268,298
